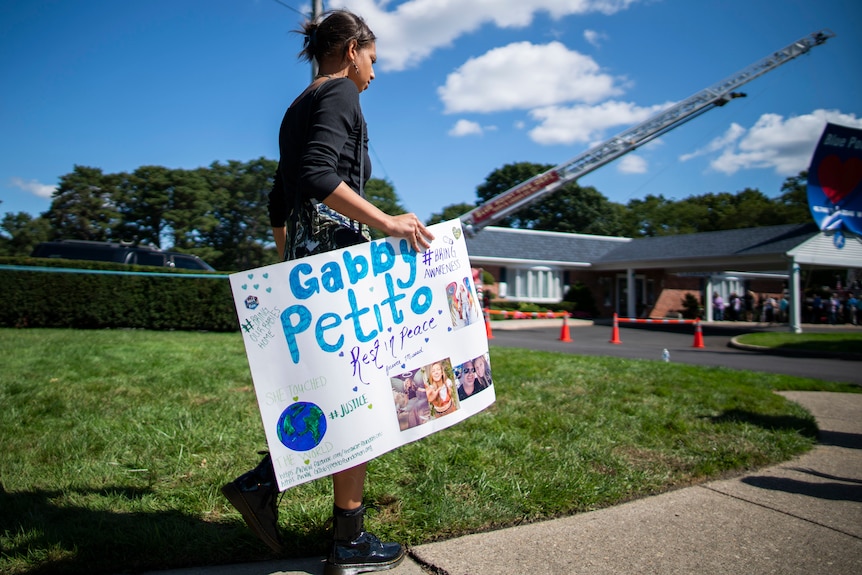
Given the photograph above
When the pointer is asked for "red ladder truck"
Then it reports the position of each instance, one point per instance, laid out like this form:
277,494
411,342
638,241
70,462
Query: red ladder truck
716,95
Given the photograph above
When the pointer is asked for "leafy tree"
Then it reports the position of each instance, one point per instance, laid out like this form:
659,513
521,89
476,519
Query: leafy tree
220,212
646,217
505,178
793,201
691,308
239,195
382,194
685,217
24,233
745,209
189,213
574,209
143,199
83,207
450,212
658,216
582,298
570,208
164,207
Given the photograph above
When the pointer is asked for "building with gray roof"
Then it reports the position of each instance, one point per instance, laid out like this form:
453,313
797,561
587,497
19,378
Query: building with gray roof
630,276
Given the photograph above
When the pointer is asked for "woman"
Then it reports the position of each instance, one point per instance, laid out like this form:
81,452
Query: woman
717,307
483,372
418,409
440,390
317,204
468,381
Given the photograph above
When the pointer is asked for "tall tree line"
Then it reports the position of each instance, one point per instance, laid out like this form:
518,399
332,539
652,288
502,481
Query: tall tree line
576,209
219,212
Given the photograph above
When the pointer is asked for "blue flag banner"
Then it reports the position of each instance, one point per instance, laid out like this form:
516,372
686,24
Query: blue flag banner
835,180
358,351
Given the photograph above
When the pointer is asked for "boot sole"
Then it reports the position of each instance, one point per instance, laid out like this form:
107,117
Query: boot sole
354,569
238,501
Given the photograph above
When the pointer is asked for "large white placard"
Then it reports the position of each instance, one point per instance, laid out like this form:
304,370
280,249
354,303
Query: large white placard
361,350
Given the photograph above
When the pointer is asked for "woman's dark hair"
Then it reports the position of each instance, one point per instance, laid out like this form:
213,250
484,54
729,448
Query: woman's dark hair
332,33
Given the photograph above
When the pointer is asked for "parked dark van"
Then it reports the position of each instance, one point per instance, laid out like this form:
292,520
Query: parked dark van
118,252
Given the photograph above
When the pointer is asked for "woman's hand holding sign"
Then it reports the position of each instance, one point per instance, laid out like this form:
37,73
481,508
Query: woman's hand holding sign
409,227
406,226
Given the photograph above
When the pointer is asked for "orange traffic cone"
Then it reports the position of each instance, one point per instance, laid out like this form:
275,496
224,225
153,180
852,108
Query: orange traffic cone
488,327
615,334
698,334
564,332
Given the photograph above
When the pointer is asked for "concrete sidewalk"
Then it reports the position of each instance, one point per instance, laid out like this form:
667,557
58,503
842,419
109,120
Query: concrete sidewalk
800,517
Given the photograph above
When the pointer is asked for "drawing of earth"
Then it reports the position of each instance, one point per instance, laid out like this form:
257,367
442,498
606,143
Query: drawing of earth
301,426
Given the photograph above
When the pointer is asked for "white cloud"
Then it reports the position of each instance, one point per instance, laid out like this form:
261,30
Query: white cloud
632,164
412,30
465,128
652,145
33,187
733,133
594,38
523,76
519,76
784,146
562,125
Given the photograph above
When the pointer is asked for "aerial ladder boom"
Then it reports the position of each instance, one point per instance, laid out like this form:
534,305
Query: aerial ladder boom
515,198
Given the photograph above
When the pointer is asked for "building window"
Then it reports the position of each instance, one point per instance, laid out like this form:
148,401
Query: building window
605,288
539,284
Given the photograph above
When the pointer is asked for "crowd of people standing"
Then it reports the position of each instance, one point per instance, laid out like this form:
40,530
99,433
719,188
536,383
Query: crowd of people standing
764,308
833,308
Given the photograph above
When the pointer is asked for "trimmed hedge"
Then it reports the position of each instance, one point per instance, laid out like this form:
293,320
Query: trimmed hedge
42,298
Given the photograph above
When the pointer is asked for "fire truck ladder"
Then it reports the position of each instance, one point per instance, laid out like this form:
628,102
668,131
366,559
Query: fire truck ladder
716,95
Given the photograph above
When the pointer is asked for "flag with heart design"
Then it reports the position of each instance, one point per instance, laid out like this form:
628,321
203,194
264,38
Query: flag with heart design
835,179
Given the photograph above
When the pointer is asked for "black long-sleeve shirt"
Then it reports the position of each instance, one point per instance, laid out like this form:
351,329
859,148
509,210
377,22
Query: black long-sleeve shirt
319,147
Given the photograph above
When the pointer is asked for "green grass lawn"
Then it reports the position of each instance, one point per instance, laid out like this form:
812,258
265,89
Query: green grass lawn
115,445
840,342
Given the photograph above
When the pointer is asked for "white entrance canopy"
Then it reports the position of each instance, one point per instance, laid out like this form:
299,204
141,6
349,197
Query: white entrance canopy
826,249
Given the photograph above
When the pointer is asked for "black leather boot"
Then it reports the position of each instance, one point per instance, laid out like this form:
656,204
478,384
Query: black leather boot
255,496
354,550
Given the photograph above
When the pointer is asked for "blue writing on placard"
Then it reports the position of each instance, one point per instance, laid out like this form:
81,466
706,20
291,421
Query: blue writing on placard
366,322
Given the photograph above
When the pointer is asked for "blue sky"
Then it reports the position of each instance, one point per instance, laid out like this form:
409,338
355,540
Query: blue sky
463,87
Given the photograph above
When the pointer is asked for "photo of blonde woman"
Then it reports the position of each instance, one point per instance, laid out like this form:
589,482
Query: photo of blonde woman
440,388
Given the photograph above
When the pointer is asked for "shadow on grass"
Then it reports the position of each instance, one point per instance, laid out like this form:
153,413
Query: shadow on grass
66,539
842,349
847,346
801,425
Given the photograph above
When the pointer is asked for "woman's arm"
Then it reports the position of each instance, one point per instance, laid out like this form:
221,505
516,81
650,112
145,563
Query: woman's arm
431,392
280,235
408,226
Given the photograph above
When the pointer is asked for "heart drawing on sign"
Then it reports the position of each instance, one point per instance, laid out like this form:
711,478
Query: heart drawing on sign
839,178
